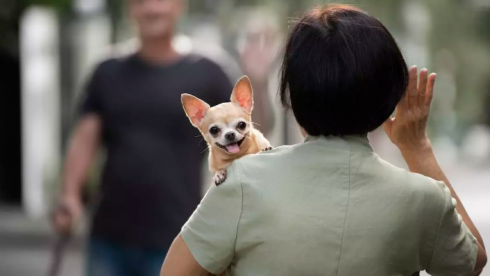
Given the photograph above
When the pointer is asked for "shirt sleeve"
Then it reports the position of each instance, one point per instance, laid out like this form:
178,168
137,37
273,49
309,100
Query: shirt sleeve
91,97
210,233
455,248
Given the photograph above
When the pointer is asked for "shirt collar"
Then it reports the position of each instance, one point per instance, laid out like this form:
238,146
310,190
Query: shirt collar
355,142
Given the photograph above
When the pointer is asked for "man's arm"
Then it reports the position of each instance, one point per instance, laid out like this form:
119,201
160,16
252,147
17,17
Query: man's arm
81,153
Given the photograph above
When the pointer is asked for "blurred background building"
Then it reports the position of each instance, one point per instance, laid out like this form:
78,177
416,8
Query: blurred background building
47,47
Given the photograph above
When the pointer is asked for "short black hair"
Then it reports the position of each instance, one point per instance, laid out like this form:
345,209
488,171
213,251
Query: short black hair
342,73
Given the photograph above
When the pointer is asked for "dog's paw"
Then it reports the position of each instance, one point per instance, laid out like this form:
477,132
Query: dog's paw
219,177
268,149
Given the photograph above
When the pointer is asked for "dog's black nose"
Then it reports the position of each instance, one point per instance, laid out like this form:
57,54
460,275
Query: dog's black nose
230,136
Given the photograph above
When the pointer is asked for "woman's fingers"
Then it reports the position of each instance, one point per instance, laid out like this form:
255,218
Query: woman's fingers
430,89
422,87
419,90
412,86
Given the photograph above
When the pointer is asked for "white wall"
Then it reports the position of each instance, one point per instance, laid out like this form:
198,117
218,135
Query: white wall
40,107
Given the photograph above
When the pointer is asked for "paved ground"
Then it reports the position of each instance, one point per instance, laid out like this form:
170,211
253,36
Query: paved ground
25,246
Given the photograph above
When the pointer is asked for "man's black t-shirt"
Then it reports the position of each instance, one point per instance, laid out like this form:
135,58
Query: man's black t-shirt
151,179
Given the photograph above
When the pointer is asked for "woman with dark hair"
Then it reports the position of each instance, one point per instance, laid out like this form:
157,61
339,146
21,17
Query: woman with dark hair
330,206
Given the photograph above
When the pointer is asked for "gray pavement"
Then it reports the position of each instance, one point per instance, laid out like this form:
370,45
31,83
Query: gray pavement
26,247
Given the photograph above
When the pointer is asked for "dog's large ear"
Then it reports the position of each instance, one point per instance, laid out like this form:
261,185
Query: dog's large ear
243,94
194,108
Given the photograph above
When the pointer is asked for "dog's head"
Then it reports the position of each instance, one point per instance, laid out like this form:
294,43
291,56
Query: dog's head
227,125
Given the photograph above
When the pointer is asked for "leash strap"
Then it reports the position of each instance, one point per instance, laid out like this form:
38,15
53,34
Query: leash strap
60,246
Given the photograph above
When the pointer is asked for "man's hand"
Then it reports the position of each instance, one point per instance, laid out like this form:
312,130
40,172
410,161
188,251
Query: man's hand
408,129
66,214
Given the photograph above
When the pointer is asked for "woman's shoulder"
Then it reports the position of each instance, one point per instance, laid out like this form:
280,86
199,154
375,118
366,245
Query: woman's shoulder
418,185
255,166
269,158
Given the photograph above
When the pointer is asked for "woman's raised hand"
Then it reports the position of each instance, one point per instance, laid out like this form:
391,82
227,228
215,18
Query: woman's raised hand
407,130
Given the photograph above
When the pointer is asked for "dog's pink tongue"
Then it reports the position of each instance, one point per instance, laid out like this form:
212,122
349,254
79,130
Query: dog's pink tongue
233,148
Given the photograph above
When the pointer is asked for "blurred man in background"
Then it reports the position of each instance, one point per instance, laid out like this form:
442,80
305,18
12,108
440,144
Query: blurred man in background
259,44
151,182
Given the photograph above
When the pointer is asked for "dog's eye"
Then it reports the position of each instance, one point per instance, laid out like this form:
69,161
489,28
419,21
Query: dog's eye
214,130
241,125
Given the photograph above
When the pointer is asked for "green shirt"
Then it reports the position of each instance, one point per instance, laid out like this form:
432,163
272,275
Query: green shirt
329,206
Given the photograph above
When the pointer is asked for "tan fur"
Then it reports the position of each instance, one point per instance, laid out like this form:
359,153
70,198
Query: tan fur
203,117
220,160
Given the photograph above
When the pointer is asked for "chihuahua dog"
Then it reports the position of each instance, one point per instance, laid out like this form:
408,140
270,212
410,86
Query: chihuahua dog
227,127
